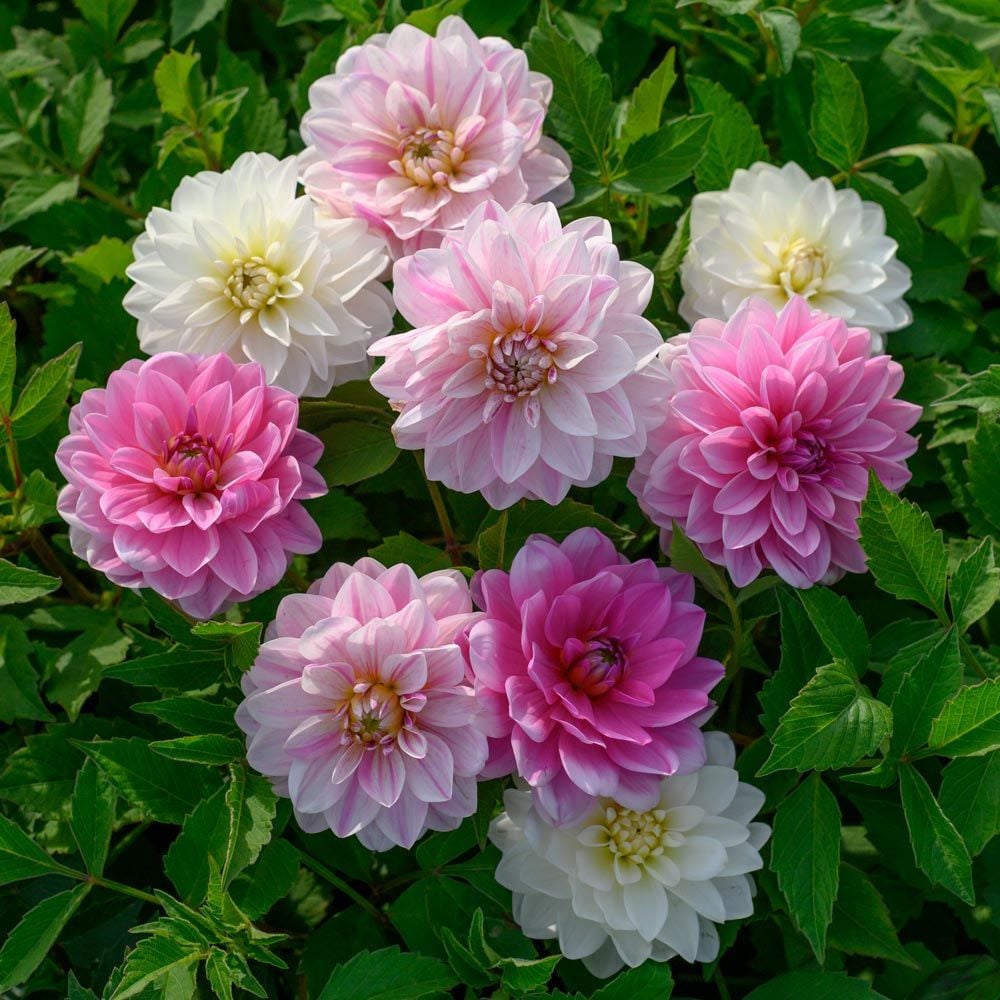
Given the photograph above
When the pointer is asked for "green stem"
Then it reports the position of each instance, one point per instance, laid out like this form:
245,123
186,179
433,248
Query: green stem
451,545
338,883
969,655
54,564
720,984
125,890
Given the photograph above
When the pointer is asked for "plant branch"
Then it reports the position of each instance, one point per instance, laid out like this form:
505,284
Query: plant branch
451,545
54,564
338,883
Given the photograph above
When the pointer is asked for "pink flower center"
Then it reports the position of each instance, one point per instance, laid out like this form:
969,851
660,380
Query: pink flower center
374,714
194,460
519,364
428,156
808,457
597,667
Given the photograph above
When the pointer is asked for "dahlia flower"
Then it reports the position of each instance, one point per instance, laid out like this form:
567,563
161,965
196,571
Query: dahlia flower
777,233
763,452
624,885
185,476
412,132
357,707
529,368
238,264
587,670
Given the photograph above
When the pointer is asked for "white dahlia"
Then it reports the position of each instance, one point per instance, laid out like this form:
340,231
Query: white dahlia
620,886
240,265
776,232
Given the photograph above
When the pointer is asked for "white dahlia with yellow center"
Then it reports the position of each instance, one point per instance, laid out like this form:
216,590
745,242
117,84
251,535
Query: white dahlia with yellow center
241,265
623,886
776,233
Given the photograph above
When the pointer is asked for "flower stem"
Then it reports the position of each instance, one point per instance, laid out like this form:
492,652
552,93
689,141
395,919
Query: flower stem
125,890
338,883
451,545
54,564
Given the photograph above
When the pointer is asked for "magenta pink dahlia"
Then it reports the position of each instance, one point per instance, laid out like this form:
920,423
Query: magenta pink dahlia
185,476
531,366
763,452
358,709
586,667
412,132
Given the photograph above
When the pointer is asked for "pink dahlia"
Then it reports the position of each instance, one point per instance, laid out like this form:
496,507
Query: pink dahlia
186,475
586,667
412,132
531,366
358,709
763,452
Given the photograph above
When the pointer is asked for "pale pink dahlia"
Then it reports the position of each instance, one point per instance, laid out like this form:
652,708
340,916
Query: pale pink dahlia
185,476
586,667
412,132
531,366
763,453
358,708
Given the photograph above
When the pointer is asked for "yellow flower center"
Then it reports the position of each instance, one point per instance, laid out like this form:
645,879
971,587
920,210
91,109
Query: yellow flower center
428,157
375,714
636,836
802,269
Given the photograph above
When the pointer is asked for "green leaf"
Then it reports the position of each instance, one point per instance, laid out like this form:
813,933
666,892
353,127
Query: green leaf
839,121
20,856
177,82
805,855
981,391
251,805
841,630
581,110
984,459
354,451
656,163
527,975
429,17
39,498
8,357
830,724
815,986
207,748
294,11
152,959
189,16
241,640
19,585
861,921
18,681
974,586
786,32
340,517
645,106
970,797
268,880
27,944
734,141
180,670
905,553
106,17
194,716
102,262
11,261
686,557
651,981
161,789
28,196
75,671
938,848
923,691
388,974
92,816
44,396
404,548
502,540
969,725
83,115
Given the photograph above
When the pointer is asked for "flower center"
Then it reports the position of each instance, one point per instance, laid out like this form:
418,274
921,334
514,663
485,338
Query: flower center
802,268
636,836
374,714
194,459
519,364
809,456
598,668
252,285
428,156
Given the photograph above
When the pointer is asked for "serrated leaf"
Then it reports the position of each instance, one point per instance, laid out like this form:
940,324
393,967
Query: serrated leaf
969,724
388,974
92,816
176,79
194,716
686,557
805,855
152,959
20,856
28,196
645,105
106,17
256,889
984,459
974,586
189,16
786,32
938,848
839,120
830,724
83,114
657,162
842,631
204,748
950,199
161,789
981,390
27,944
19,585
861,921
44,396
404,548
180,670
905,553
19,697
251,804
354,451
815,986
970,798
651,981
734,141
527,975
8,355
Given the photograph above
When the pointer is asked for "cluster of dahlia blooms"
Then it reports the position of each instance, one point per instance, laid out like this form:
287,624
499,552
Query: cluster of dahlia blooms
379,699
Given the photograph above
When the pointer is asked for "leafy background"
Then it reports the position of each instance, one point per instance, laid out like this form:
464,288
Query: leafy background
139,857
